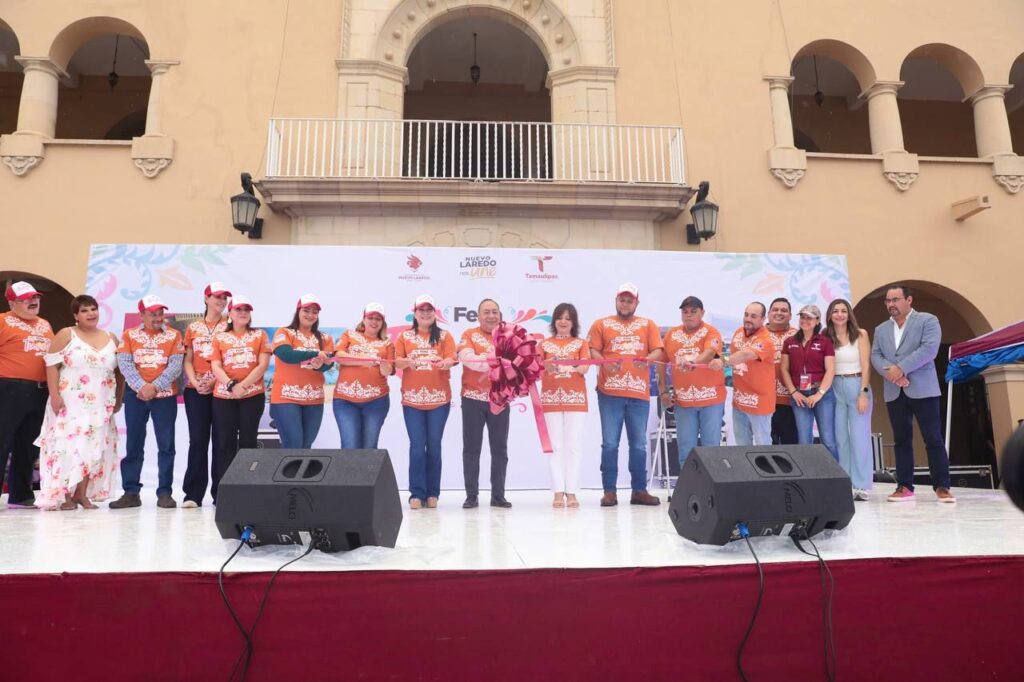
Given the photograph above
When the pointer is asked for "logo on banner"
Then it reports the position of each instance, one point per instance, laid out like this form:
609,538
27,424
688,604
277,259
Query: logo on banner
478,267
414,263
542,272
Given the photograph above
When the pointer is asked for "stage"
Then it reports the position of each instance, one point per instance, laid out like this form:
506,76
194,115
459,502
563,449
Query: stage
923,591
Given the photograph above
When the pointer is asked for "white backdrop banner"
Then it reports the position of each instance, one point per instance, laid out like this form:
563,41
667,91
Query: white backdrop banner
527,283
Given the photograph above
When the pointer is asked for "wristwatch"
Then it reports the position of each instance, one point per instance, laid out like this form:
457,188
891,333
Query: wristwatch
230,385
865,390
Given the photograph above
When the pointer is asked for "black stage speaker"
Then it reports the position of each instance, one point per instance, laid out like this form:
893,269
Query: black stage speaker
337,499
775,490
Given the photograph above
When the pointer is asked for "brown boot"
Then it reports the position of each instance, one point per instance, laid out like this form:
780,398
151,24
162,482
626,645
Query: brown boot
645,498
609,499
126,501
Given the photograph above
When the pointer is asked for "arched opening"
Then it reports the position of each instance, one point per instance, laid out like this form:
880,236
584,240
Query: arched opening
1015,105
829,77
11,79
971,436
511,88
56,304
108,78
937,121
132,125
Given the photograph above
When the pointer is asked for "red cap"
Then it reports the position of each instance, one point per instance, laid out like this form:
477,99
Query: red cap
19,291
308,299
216,289
152,303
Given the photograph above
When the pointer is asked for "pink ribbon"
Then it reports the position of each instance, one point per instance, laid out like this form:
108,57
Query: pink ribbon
514,368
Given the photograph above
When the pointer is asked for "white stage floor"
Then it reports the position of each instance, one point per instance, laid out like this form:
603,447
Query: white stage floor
528,536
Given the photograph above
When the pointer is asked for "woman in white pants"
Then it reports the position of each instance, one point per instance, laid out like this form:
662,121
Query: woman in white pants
564,397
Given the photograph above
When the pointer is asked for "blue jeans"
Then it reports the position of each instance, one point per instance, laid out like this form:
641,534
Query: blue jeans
823,412
853,432
359,424
751,429
633,412
136,415
425,427
695,425
297,425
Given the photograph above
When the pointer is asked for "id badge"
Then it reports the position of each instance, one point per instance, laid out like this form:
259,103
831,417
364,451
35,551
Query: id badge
805,382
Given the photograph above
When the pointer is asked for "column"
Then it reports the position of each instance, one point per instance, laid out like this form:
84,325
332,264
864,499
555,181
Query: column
154,151
898,167
992,135
37,115
1004,385
785,161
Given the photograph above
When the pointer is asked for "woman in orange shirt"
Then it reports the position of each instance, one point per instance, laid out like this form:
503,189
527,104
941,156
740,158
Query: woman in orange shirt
563,394
240,358
361,398
426,353
297,394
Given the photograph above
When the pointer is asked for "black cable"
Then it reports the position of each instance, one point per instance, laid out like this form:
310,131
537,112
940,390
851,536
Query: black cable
757,607
828,638
224,596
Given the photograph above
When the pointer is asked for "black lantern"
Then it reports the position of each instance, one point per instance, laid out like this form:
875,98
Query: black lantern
244,208
705,216
474,71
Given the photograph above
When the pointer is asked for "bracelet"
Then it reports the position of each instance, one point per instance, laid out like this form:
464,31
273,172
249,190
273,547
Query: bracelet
230,385
794,392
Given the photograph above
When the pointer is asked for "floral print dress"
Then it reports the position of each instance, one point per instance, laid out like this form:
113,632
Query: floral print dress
80,443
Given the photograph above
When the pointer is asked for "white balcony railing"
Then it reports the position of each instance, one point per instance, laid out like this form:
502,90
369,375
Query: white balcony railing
474,150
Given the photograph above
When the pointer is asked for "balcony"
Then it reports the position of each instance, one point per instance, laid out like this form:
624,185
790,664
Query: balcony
431,168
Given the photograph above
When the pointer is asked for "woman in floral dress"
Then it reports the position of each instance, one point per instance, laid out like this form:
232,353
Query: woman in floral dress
78,460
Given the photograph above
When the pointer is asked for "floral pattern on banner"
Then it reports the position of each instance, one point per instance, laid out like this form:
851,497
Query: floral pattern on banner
810,278
80,443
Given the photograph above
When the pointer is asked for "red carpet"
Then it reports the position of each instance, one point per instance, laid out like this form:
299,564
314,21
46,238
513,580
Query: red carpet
895,619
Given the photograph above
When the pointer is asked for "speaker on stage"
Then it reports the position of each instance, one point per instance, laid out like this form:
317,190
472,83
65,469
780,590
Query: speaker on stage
775,490
337,499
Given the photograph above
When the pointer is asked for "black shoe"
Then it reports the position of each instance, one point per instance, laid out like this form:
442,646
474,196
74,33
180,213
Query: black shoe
471,502
500,502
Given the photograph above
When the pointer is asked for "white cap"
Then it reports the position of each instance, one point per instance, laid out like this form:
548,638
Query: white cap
152,303
308,299
240,301
424,299
19,291
217,289
628,288
374,307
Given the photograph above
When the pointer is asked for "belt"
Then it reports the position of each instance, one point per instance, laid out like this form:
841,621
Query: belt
25,382
846,376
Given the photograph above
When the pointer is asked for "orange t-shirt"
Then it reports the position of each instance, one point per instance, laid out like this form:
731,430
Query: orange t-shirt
151,351
199,337
475,384
635,338
753,391
239,354
362,383
295,383
22,347
698,387
779,340
429,387
564,391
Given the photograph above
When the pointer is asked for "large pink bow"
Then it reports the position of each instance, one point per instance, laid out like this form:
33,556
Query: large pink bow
514,368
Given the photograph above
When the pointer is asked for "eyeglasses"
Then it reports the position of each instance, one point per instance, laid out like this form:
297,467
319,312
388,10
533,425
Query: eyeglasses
894,300
808,317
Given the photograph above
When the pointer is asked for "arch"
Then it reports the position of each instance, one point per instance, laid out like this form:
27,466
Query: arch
943,296
960,64
56,298
11,78
543,23
1015,104
844,53
80,32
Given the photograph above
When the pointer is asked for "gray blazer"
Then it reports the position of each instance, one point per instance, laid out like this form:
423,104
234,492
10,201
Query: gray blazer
915,355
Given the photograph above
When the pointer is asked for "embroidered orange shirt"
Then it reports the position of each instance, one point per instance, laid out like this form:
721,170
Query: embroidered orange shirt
151,351
22,347
697,387
362,383
778,341
428,387
475,384
298,384
753,390
199,337
635,338
239,354
564,391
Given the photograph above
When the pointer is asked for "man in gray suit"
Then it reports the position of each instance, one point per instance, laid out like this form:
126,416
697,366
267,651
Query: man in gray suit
904,352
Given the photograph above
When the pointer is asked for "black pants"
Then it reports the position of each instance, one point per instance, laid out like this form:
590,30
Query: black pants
237,424
784,426
22,406
475,415
199,411
927,411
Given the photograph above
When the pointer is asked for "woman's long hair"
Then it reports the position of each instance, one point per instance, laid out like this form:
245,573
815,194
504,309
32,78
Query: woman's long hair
560,310
435,331
853,329
294,326
382,334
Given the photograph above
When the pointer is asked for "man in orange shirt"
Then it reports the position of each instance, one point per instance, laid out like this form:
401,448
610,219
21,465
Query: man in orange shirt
150,358
623,393
474,347
24,340
780,313
753,378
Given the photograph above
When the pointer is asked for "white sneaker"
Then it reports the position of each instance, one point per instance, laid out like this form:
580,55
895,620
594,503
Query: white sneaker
189,504
861,495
